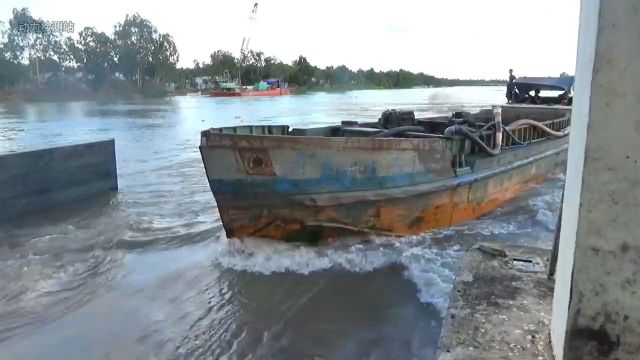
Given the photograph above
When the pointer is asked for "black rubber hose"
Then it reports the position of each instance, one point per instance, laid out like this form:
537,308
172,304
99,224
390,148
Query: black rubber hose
561,133
412,135
398,131
460,130
505,129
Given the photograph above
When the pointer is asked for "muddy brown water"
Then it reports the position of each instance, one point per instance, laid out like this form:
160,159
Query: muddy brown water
147,273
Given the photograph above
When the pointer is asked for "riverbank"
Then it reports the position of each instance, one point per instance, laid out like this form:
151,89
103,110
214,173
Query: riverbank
116,91
154,91
340,89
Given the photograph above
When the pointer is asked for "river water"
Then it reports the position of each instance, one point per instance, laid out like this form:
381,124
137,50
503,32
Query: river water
149,274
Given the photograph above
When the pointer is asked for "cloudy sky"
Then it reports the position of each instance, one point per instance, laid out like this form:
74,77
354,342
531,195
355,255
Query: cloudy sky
452,38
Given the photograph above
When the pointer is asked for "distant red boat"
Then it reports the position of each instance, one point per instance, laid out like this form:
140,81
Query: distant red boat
251,92
226,87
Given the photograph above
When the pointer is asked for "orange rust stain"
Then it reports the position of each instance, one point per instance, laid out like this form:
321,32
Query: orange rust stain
267,228
398,216
390,218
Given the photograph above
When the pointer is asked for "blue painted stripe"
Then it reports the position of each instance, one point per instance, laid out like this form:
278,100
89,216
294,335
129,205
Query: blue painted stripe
322,184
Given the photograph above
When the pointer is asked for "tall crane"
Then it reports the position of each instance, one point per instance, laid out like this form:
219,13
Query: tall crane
245,40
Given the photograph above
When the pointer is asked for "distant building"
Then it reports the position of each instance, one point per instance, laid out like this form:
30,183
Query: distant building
203,82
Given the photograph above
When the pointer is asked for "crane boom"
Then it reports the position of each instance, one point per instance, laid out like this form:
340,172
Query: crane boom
245,40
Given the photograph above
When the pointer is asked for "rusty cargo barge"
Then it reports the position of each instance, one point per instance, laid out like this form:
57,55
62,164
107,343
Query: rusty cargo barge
400,175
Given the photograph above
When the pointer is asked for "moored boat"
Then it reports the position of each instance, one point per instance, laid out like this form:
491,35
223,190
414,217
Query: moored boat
227,87
398,176
250,92
271,87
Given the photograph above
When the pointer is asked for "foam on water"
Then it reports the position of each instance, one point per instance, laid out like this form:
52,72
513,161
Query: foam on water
429,260
543,215
429,267
433,272
547,207
490,227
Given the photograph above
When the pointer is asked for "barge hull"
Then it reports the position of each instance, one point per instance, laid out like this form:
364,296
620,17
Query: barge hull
259,205
292,219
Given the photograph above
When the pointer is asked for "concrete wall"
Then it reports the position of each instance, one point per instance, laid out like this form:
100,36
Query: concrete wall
596,312
589,11
43,178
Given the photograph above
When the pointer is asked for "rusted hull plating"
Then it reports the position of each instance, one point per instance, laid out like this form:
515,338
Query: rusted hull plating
313,188
294,221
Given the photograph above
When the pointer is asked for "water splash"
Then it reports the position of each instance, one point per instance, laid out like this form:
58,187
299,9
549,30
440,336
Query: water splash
431,268
547,207
429,260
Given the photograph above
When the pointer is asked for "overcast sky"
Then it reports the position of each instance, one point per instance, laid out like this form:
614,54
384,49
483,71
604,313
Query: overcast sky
447,38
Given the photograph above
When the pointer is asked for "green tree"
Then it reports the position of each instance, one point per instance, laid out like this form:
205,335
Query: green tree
252,66
371,77
16,43
32,46
222,60
302,72
324,76
164,56
3,39
136,38
341,76
71,53
257,63
11,73
95,53
274,68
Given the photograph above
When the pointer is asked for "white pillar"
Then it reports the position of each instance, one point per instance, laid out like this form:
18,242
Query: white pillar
596,305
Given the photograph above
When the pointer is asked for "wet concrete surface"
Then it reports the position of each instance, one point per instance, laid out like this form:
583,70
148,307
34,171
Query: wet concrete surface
500,305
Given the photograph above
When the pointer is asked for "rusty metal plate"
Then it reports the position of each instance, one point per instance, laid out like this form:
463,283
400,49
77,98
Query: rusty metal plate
256,162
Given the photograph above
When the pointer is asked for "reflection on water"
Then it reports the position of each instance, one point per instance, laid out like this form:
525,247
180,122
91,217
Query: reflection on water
148,272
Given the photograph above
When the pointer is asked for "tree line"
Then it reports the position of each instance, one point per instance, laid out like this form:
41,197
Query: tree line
254,66
137,53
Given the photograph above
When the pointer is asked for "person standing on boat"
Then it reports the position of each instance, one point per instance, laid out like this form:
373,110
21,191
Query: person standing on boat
510,86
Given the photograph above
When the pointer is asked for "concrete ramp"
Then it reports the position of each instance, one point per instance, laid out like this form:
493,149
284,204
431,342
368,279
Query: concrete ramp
500,306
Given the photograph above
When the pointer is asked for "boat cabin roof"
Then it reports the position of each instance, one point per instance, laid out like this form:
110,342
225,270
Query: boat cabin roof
527,84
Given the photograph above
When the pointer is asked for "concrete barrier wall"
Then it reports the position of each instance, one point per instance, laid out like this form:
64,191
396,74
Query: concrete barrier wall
43,178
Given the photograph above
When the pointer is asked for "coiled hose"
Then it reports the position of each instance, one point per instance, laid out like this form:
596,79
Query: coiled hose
504,130
398,131
561,133
463,131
